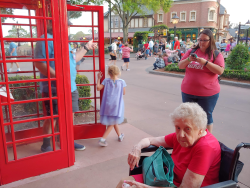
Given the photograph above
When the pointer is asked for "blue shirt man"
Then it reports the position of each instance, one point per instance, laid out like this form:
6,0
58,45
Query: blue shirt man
40,53
11,47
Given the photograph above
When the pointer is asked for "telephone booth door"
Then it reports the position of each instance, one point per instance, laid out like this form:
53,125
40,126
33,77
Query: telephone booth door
35,99
86,23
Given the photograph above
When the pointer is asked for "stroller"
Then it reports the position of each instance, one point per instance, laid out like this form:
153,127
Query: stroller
140,54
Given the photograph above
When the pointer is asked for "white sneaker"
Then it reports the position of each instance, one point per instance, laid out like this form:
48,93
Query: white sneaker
121,137
127,69
103,143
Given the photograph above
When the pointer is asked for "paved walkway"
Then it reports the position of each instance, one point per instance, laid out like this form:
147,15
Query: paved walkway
149,100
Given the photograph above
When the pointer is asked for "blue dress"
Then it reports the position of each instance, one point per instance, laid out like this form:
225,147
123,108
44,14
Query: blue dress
112,107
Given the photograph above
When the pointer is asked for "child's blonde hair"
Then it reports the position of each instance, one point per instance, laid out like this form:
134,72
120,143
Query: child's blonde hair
113,70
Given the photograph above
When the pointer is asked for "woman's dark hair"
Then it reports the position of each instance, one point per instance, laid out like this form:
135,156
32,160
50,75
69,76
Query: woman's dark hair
212,47
76,44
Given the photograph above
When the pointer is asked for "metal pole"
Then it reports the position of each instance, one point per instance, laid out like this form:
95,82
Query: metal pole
174,30
238,35
110,39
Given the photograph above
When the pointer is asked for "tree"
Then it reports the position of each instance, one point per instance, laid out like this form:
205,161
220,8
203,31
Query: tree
90,31
13,33
6,11
126,9
78,35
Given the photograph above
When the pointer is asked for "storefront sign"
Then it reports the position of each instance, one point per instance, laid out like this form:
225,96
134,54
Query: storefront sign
151,34
164,32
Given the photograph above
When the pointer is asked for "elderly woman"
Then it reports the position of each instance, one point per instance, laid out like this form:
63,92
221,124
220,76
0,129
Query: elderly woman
196,152
200,83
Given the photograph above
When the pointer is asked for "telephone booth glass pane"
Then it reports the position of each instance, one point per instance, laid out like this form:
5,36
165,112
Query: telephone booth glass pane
30,107
81,31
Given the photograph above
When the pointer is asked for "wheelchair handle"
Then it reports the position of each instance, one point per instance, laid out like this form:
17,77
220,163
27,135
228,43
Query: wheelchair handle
151,148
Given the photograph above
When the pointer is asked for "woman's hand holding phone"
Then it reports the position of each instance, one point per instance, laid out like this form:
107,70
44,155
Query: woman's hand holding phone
193,57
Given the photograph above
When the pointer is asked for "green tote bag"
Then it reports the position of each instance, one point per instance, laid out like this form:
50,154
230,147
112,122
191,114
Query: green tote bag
158,169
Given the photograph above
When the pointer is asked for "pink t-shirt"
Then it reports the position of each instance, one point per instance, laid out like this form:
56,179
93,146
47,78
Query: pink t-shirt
165,58
126,52
169,52
203,158
228,48
199,80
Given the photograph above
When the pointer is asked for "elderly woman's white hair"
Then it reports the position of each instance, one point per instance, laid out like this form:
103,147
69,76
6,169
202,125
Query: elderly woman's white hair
191,111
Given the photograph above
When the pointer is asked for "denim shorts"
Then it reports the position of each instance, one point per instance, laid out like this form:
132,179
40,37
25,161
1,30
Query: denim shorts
147,51
207,103
126,60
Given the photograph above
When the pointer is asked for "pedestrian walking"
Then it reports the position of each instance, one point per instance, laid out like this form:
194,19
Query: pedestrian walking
126,55
146,49
189,44
120,50
228,47
13,52
156,48
112,107
176,44
200,83
217,44
113,53
151,45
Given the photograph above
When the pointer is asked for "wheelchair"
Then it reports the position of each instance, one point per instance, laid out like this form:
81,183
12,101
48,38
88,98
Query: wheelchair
230,166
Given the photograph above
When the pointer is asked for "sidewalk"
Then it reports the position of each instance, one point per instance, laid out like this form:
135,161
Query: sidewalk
96,167
132,55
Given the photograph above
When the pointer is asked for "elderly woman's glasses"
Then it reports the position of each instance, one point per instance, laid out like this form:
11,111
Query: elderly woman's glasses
203,40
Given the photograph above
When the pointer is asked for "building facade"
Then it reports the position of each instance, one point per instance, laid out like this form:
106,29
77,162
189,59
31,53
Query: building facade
196,15
138,22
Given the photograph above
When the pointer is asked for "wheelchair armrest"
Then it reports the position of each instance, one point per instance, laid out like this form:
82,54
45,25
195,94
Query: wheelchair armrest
151,148
224,184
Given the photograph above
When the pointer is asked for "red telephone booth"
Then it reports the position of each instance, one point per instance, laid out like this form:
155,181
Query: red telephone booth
25,25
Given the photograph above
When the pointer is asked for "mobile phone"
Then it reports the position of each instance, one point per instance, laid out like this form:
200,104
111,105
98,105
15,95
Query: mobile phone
194,55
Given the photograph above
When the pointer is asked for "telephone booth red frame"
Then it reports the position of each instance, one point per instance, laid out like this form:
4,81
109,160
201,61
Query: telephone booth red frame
20,155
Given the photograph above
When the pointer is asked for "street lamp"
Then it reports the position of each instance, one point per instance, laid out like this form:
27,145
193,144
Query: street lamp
175,20
247,24
18,28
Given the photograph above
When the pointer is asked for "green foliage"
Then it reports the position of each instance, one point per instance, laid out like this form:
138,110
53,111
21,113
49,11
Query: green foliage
238,58
22,33
158,27
30,93
84,91
140,36
6,11
178,33
174,67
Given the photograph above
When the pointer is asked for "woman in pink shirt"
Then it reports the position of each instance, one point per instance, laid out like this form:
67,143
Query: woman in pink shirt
126,55
200,83
227,50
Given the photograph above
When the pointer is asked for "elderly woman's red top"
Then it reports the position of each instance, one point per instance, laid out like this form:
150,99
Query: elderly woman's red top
202,158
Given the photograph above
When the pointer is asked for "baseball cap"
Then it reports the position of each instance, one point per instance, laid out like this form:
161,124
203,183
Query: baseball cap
115,40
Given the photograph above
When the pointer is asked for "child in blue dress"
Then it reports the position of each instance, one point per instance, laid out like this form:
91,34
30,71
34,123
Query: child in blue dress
112,107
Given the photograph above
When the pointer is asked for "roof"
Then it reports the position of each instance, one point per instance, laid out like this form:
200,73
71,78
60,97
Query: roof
105,13
222,9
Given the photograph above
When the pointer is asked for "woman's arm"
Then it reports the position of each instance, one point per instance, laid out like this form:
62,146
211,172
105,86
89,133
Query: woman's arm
216,69
124,91
135,155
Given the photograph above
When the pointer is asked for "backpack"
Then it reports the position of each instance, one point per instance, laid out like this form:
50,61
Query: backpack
215,55
110,48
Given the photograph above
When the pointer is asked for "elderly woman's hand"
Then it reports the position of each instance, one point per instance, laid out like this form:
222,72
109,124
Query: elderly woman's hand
134,156
134,184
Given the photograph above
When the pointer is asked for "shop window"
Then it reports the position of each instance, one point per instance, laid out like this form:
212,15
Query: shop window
183,16
192,16
172,15
194,37
121,23
188,36
160,17
145,22
116,22
212,16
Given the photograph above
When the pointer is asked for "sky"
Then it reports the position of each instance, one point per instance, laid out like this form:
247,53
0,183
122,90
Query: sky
239,10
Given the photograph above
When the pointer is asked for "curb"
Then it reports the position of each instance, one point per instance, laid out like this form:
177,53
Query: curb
224,82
